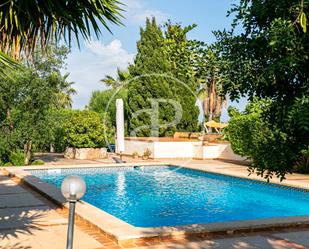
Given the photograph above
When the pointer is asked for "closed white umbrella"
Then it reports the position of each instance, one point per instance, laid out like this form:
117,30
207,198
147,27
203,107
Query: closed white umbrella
119,126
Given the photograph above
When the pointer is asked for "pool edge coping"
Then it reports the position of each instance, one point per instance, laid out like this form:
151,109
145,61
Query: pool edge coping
121,231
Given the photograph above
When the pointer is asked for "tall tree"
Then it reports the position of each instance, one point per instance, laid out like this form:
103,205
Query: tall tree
26,106
208,66
180,59
49,65
151,70
270,59
211,89
26,97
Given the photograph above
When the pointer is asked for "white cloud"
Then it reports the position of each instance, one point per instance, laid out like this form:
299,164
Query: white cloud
136,12
89,66
141,17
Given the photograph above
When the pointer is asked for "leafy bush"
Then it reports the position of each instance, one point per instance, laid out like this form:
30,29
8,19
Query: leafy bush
58,118
8,164
271,148
87,129
17,158
245,128
37,162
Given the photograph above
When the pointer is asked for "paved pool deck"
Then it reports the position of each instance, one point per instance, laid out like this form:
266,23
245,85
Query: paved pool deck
28,220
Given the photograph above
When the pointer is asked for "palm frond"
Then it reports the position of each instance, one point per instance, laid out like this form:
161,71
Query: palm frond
109,81
122,76
25,24
6,62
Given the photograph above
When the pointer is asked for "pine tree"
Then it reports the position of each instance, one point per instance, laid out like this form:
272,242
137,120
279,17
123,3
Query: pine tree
151,80
162,71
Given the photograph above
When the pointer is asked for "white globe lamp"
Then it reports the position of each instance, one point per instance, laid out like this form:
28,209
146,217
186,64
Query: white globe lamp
73,189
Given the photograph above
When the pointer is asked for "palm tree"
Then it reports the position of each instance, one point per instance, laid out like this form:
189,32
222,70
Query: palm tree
122,76
210,91
212,101
26,24
64,96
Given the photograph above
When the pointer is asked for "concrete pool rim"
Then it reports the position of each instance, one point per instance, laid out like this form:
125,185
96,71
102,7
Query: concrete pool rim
122,232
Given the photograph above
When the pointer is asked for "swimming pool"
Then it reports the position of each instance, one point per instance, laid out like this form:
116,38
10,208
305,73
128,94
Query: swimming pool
154,196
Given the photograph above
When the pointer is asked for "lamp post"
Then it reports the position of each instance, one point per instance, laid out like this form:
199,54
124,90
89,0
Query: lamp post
72,188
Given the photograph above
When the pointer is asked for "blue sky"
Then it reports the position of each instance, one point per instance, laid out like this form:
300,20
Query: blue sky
102,56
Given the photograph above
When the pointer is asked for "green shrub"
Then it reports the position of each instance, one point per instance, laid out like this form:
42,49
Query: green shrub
87,129
58,117
17,158
271,149
7,164
37,162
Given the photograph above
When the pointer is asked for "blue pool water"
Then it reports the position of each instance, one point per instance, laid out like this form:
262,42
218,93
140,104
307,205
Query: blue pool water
167,196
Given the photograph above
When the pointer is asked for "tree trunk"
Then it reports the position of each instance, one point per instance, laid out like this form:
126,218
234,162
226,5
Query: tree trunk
51,148
210,116
212,99
212,103
28,152
9,118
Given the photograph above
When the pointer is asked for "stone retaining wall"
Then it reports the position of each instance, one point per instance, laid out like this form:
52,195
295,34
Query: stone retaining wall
85,153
